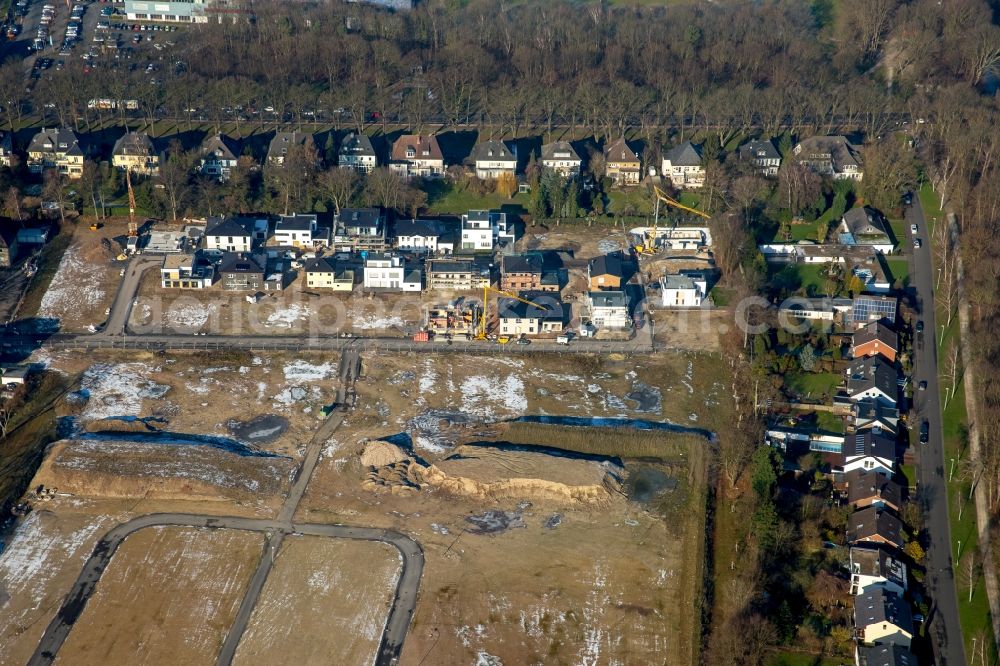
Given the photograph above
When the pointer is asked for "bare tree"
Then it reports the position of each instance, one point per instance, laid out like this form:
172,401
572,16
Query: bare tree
338,186
968,571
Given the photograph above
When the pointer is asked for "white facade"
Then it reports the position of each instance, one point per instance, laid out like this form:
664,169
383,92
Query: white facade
477,232
609,309
295,230
384,272
682,291
235,243
683,177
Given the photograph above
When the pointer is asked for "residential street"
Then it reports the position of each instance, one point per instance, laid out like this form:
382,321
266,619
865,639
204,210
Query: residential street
943,623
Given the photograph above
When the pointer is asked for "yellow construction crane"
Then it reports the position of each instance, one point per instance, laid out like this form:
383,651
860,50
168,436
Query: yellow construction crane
648,245
481,334
133,229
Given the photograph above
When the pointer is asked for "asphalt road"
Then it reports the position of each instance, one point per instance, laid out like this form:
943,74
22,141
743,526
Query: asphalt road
404,600
943,623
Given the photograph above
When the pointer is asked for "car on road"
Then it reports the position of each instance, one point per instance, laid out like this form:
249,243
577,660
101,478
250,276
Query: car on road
907,198
925,431
523,341
917,243
913,228
922,386
920,326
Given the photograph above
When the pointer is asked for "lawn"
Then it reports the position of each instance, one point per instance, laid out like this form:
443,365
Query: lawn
443,198
812,384
930,201
899,267
830,422
808,278
807,231
638,201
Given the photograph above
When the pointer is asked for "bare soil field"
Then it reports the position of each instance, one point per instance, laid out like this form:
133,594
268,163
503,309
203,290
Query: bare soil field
424,394
535,578
531,580
325,602
84,284
198,576
211,393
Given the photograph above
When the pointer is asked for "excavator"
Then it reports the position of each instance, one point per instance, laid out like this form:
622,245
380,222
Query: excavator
648,244
487,290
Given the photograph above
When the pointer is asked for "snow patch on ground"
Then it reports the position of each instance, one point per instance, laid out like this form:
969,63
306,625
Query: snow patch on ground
303,371
483,395
377,323
75,286
118,389
287,315
189,315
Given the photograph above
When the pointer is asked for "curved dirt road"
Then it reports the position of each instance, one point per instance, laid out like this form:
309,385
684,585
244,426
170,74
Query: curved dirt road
400,613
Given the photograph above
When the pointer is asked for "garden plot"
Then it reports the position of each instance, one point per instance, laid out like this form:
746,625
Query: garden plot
199,576
325,601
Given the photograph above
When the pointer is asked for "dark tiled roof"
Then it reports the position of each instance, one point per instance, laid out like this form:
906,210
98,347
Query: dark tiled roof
685,154
864,485
867,523
606,264
521,263
876,330
225,226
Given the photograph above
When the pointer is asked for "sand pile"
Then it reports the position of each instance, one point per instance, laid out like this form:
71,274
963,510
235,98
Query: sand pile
379,453
499,473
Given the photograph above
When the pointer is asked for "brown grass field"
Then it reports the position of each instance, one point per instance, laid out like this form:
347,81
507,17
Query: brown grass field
168,596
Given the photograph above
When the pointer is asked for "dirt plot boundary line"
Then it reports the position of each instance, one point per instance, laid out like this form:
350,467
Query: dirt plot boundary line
400,613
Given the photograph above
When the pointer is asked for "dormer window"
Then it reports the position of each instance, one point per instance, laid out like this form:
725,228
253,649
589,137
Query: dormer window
426,152
411,153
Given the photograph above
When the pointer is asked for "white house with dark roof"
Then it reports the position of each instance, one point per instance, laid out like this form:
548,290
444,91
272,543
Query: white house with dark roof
561,158
219,156
423,236
493,158
228,234
883,655
870,451
679,290
683,166
296,230
356,152
865,226
763,155
609,309
832,156
56,149
872,377
389,272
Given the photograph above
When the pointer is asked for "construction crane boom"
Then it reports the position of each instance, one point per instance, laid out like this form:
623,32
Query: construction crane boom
133,229
649,238
481,335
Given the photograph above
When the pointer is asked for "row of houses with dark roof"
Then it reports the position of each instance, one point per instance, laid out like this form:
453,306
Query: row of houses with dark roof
864,462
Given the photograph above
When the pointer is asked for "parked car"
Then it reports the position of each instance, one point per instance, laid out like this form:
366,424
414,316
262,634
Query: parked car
920,326
917,243
925,431
922,386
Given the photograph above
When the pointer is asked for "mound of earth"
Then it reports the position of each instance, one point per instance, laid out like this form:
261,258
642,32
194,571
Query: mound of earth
128,469
501,473
379,453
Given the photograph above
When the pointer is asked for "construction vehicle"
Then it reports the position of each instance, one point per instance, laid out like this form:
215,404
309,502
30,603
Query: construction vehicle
481,334
647,244
95,226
